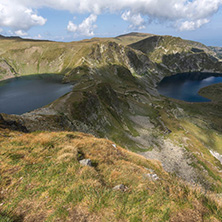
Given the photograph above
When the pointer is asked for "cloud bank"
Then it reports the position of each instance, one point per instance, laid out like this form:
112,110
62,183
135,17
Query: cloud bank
182,14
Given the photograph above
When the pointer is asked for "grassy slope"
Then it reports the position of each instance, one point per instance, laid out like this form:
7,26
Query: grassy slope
195,128
131,38
212,92
42,180
31,57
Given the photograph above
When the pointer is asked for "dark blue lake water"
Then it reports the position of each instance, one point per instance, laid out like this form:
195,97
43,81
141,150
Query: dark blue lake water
186,86
24,94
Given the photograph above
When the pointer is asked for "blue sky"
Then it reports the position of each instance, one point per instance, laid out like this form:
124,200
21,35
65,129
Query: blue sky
71,20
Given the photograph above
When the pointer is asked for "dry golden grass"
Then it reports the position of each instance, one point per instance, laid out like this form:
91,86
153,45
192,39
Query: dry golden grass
42,180
68,153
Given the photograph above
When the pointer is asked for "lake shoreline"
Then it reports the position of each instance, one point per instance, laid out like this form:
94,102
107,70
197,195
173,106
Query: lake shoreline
186,86
27,93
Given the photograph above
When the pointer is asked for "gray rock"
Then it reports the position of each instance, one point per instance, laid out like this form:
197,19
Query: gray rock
86,162
120,187
153,176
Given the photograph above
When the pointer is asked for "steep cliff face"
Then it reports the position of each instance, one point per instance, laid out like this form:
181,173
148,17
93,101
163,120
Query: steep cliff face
157,46
191,62
217,50
176,55
6,71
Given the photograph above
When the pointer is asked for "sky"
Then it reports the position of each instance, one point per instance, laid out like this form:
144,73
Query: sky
73,20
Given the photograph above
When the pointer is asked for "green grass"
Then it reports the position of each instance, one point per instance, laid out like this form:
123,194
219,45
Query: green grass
48,183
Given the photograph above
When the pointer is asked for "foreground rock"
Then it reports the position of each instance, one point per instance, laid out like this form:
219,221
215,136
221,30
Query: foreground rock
11,124
120,187
86,162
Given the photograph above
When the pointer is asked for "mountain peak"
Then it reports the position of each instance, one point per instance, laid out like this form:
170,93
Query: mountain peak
137,34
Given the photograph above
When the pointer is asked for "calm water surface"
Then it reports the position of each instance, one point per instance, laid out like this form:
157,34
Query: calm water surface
24,94
186,86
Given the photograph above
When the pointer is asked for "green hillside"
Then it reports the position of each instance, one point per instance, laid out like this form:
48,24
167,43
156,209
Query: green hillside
42,179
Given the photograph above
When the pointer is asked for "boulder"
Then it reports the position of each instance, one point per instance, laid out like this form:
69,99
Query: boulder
11,124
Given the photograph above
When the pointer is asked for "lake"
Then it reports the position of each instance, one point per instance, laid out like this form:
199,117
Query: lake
185,86
24,94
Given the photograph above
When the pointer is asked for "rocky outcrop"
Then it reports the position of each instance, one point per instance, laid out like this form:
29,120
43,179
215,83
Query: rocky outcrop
6,71
191,62
11,124
157,46
217,50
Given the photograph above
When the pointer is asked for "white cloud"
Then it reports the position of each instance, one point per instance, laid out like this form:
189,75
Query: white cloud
86,28
183,14
136,21
18,17
72,27
37,36
192,25
21,33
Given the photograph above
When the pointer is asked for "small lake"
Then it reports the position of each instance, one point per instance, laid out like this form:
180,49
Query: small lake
185,86
24,94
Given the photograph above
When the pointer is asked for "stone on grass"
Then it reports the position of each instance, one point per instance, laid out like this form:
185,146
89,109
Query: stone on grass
86,162
153,176
120,187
